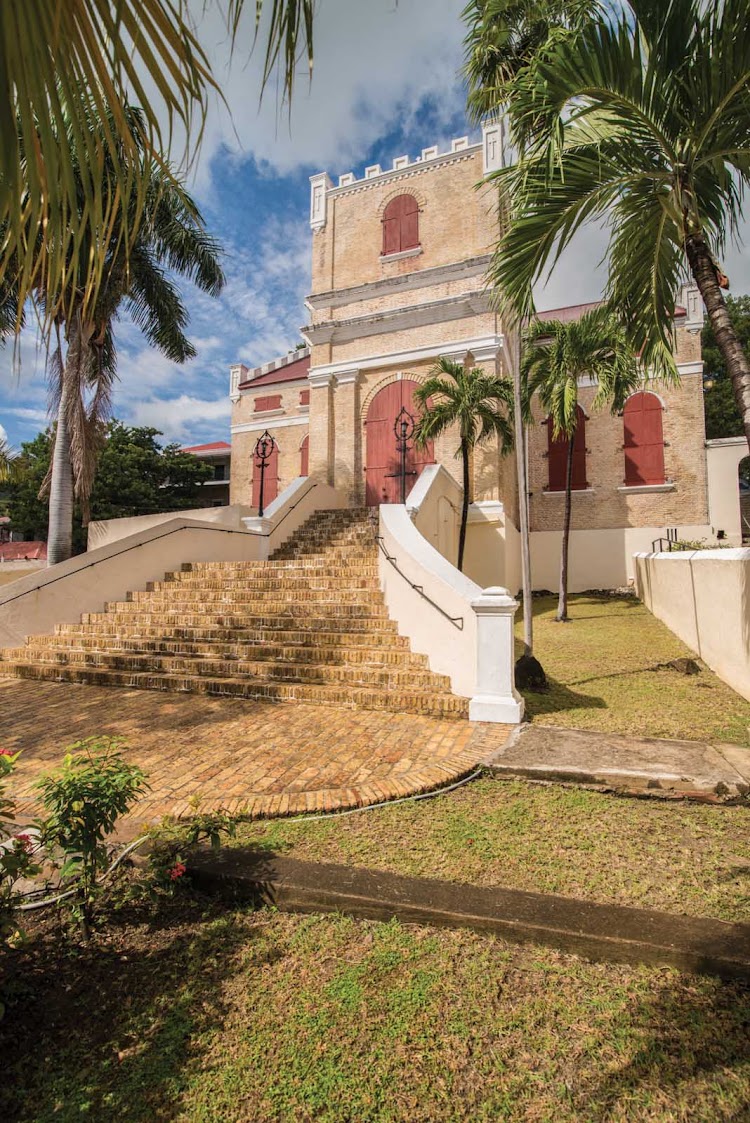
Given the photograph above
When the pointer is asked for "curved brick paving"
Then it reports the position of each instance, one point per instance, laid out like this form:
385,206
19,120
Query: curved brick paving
263,758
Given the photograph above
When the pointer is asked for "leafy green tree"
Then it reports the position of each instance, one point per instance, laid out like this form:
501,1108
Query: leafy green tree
722,416
556,356
136,476
8,462
167,233
65,64
479,405
638,118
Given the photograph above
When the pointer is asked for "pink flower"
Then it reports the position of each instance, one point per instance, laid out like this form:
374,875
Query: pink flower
25,841
6,752
177,871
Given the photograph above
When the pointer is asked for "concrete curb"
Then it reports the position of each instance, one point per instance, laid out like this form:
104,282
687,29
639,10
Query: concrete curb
607,932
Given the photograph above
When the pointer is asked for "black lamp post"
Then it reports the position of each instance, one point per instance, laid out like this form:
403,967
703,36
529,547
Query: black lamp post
404,430
264,448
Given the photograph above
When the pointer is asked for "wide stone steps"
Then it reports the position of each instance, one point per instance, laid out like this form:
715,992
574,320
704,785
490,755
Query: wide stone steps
309,625
396,701
360,674
285,653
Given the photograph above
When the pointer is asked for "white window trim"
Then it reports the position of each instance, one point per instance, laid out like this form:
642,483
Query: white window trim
575,491
635,489
415,251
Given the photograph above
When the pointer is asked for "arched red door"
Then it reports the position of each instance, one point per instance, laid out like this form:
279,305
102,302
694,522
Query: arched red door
383,460
270,478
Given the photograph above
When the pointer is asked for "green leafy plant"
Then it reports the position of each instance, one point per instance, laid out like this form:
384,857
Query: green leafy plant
84,800
16,854
174,838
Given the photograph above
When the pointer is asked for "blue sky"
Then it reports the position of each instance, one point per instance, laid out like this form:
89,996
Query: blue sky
386,83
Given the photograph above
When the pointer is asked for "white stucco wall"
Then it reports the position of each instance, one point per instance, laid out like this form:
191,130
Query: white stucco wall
106,531
722,461
704,598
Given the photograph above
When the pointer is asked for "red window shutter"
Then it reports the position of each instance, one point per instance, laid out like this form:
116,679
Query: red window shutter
304,397
304,456
644,440
271,402
557,450
400,224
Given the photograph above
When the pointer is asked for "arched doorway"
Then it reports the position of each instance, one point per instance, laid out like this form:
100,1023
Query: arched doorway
270,478
304,456
383,461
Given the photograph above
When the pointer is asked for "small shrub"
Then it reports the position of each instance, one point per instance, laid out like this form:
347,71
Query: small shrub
16,855
174,838
84,800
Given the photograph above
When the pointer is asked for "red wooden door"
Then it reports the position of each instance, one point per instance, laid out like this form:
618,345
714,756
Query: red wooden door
304,457
644,440
557,449
383,463
270,478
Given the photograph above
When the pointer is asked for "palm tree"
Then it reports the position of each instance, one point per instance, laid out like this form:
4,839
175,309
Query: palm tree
8,462
480,405
66,62
168,234
642,120
557,354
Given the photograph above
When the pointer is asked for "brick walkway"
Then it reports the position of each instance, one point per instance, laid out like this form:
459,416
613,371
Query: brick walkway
260,758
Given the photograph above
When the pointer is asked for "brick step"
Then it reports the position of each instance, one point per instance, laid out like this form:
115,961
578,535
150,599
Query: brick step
262,583
269,569
249,598
205,666
285,653
300,613
392,701
384,636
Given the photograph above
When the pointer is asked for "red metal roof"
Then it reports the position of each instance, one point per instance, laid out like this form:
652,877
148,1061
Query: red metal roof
291,372
22,551
213,447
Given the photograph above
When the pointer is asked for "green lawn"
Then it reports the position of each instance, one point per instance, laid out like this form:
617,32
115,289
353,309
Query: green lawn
606,671
678,857
195,1017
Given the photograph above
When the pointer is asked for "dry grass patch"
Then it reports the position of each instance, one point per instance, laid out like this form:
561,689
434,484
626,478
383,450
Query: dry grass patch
682,858
199,1017
607,670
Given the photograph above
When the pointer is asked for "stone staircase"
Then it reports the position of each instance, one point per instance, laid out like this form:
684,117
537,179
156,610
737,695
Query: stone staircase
309,625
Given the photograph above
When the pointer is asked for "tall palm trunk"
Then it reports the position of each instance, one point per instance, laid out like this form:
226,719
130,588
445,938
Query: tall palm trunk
738,366
464,504
60,529
562,604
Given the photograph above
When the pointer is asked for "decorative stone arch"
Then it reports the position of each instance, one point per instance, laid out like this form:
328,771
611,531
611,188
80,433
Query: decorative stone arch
403,188
394,376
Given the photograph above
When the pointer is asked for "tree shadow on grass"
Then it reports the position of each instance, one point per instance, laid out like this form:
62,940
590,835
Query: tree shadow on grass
115,1031
558,699
691,1035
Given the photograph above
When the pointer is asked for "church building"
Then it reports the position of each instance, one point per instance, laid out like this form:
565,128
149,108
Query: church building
399,262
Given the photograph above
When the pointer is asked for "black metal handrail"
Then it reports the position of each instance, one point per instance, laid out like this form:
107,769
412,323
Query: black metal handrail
456,621
278,524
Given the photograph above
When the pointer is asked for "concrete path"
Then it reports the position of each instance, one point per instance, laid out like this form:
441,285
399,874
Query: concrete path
677,769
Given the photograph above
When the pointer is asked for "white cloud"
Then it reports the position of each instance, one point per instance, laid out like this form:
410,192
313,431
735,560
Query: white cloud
178,418
3,435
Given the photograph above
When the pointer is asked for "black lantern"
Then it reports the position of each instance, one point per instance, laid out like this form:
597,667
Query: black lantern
264,449
404,429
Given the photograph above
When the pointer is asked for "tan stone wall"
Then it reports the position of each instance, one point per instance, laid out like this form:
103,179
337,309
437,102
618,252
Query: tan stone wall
456,222
288,437
606,507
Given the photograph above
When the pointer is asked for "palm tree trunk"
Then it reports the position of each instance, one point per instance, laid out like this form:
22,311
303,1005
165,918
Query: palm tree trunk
60,529
523,506
738,366
562,604
464,504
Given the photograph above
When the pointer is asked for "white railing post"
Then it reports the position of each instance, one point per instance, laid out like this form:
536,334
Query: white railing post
496,698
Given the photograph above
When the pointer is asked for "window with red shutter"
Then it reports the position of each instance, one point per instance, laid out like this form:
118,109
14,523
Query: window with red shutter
644,440
304,397
271,402
400,225
557,453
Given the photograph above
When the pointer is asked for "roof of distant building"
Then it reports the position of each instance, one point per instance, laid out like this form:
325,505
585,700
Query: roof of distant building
575,311
215,446
23,551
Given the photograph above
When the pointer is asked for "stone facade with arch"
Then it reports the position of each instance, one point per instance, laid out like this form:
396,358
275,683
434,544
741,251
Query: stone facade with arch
375,319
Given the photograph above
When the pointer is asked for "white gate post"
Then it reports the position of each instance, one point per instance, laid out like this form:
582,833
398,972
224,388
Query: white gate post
496,697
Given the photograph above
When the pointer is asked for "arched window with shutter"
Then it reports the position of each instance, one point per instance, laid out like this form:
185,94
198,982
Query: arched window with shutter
557,454
401,225
644,440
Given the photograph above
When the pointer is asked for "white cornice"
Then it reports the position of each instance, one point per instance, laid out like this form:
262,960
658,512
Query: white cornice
377,177
249,388
400,319
258,427
418,279
483,349
690,368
